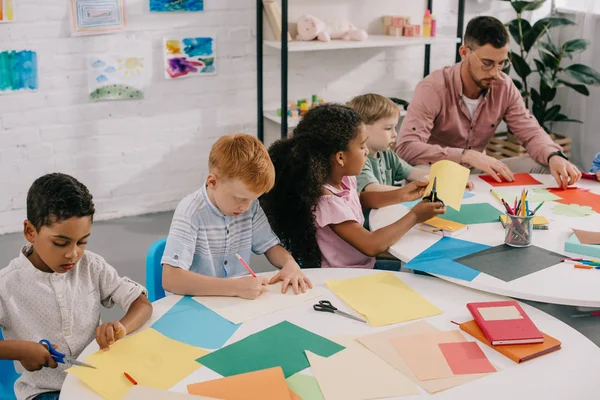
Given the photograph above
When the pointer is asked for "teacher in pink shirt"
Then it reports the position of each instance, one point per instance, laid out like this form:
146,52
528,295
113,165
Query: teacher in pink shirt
455,112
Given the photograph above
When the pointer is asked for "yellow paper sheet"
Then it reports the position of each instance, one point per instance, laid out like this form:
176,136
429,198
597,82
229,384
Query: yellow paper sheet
423,355
239,310
452,180
383,299
355,373
150,358
380,344
145,393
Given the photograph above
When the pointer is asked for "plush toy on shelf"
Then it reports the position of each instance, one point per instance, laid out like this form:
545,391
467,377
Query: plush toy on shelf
311,28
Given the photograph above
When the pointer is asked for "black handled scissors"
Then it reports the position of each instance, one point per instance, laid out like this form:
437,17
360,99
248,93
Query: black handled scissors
326,306
433,196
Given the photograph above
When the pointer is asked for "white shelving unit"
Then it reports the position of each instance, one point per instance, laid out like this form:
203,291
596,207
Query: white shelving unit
374,41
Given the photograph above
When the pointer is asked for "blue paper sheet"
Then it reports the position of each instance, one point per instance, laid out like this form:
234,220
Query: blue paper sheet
438,259
191,322
411,204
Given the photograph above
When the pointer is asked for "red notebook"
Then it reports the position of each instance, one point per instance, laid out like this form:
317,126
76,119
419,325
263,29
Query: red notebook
505,322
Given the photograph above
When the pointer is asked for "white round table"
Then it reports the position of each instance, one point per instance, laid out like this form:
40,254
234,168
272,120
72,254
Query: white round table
559,284
570,373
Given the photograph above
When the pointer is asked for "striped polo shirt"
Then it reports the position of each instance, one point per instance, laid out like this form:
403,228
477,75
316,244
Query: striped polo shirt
204,240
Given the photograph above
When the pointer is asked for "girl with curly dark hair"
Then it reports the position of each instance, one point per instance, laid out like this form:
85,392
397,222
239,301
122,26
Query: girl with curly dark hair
314,207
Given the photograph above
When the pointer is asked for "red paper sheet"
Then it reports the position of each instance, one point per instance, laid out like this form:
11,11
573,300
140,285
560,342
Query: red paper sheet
583,197
520,180
466,358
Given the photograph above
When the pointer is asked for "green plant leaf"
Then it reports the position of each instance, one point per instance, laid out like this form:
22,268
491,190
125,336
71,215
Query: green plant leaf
563,118
583,74
513,28
540,66
518,84
576,45
521,6
551,112
547,91
539,28
549,48
549,61
578,88
535,96
520,65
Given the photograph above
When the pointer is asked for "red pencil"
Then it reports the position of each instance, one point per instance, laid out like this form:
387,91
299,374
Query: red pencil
130,378
245,265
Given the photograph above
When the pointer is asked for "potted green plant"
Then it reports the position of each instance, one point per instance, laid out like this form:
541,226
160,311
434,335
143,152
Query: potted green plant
548,59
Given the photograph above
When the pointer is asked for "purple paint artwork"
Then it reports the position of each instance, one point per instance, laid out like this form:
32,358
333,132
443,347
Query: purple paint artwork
189,56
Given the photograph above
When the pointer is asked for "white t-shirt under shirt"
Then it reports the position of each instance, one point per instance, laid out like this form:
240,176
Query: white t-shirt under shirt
471,104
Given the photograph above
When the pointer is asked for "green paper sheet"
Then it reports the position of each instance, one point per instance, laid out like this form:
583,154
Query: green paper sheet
305,386
572,210
478,213
280,345
534,196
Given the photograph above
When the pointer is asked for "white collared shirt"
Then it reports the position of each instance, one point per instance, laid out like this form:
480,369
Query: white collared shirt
63,308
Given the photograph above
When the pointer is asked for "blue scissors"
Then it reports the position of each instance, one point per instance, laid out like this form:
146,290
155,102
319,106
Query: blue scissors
433,196
326,306
61,358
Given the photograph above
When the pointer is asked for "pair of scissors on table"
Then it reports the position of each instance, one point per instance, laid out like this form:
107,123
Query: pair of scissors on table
61,358
433,196
326,306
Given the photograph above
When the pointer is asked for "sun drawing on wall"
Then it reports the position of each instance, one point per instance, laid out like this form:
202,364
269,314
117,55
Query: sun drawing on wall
131,66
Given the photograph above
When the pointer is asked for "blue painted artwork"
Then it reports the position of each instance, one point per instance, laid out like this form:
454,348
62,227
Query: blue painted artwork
176,5
197,47
18,71
91,17
101,78
110,70
98,64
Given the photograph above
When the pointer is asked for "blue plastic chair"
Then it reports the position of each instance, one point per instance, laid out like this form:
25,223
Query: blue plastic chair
154,270
8,376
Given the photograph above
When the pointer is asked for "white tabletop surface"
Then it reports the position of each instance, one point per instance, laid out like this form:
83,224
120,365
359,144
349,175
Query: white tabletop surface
570,373
559,284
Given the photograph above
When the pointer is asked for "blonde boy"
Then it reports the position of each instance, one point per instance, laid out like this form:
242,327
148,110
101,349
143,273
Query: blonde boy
222,219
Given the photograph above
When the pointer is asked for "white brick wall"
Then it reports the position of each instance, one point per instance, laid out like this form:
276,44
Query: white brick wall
136,157
144,156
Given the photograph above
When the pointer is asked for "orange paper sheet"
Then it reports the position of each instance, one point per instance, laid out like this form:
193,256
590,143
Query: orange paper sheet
520,180
423,355
266,384
579,196
587,237
466,358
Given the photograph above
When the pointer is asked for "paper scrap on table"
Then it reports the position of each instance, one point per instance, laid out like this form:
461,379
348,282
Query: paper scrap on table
466,358
149,357
282,345
380,344
423,355
266,384
587,237
138,392
580,196
239,310
438,258
305,386
572,210
521,179
451,181
355,373
187,320
378,296
470,214
535,195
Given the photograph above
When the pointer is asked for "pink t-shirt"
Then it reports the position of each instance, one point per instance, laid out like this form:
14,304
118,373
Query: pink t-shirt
343,205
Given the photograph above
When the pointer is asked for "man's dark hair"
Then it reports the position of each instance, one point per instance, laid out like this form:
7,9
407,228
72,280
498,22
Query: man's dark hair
57,197
486,30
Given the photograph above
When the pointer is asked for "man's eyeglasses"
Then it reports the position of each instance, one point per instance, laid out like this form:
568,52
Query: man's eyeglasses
488,65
